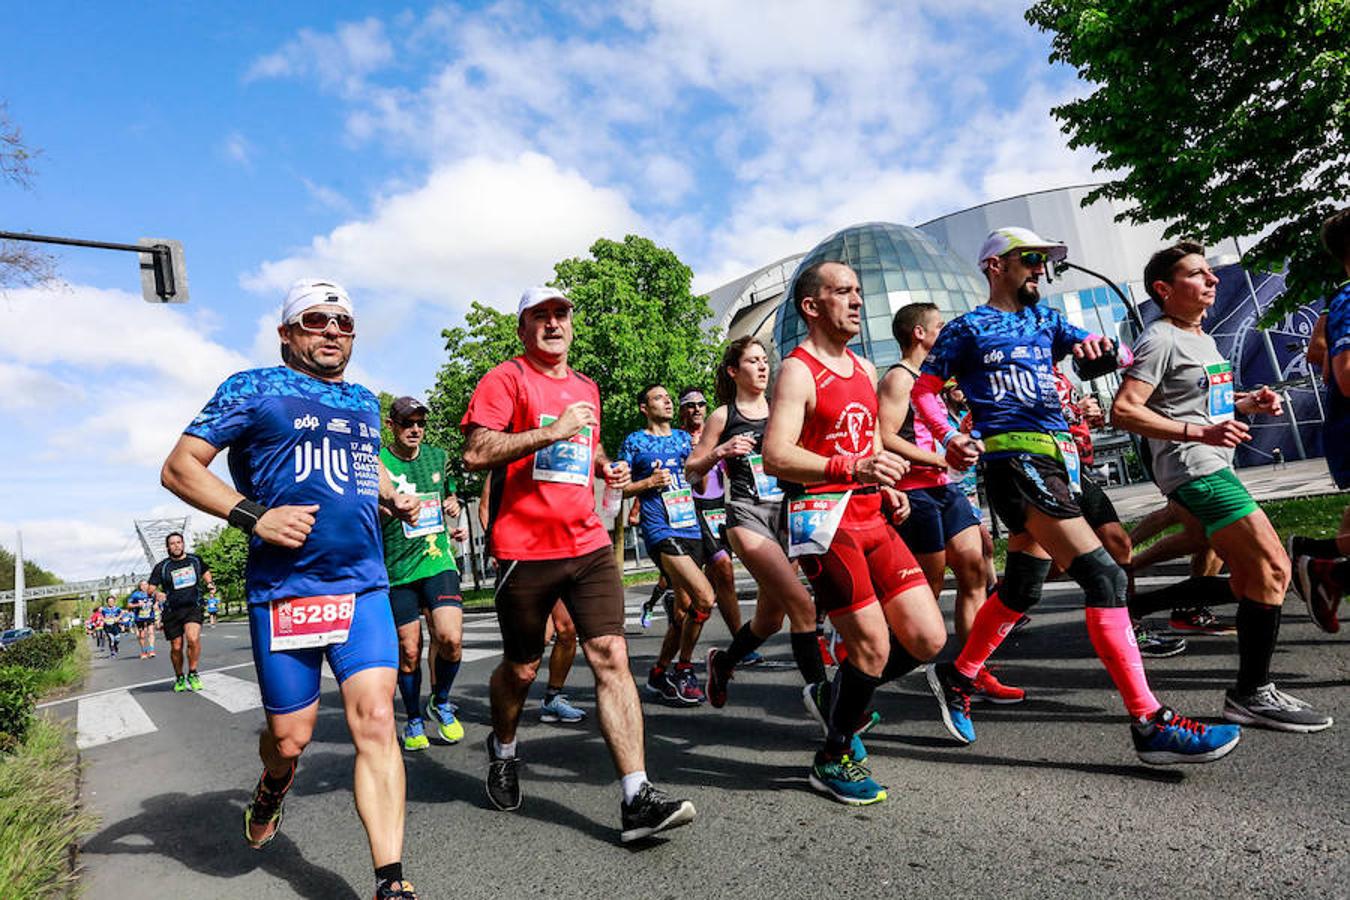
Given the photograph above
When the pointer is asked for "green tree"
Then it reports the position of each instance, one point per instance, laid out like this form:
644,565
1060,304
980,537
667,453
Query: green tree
1222,118
637,322
224,550
33,574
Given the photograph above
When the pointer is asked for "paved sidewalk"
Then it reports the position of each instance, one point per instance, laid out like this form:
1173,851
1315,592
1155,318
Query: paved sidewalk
1296,479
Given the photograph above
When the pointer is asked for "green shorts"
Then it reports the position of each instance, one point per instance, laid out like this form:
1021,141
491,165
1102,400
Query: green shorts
1218,499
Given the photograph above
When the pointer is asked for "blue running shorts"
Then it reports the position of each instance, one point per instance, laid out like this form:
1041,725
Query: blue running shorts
289,679
936,515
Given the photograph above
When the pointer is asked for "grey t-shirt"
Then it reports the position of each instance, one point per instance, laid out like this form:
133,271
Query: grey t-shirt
1192,382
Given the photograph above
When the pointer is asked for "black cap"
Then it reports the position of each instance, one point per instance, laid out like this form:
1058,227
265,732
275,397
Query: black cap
405,408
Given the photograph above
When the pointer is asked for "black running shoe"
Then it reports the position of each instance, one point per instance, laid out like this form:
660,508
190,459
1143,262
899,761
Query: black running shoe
653,810
262,816
395,890
503,780
716,679
1157,646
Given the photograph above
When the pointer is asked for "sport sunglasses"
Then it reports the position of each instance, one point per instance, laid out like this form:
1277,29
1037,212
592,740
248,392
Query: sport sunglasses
1034,258
316,321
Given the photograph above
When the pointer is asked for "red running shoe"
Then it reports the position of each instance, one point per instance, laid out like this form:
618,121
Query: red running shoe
1321,594
825,656
987,687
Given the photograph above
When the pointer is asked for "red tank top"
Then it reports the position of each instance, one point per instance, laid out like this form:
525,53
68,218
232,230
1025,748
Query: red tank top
844,423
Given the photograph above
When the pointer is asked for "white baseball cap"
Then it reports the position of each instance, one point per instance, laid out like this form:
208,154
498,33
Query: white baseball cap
536,295
310,292
1010,238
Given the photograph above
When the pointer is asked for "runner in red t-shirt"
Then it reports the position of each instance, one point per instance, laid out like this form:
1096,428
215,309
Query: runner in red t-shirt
536,424
822,440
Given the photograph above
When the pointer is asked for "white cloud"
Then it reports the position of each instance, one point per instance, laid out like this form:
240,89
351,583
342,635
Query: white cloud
478,229
27,387
341,59
238,150
327,197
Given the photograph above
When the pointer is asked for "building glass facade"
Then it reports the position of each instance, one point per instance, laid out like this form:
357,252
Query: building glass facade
896,265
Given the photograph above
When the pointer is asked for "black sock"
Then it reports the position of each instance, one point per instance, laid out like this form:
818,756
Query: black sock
276,784
1258,625
806,653
1198,590
853,691
391,872
899,663
1318,548
1340,574
551,694
743,643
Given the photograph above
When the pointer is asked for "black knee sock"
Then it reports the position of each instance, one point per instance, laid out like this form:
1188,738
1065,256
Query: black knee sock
806,653
743,643
390,872
899,663
852,699
1317,548
1258,625
1340,574
1198,590
410,688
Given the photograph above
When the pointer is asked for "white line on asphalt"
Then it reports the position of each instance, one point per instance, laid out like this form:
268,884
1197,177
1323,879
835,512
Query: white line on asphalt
111,717
132,687
235,694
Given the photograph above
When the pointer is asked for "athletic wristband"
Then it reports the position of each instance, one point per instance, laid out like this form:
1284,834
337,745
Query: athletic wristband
947,439
245,515
839,468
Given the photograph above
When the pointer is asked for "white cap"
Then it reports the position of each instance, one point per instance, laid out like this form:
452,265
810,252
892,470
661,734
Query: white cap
310,292
1010,238
536,295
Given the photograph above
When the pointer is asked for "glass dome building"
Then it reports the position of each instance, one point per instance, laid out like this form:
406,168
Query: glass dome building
896,265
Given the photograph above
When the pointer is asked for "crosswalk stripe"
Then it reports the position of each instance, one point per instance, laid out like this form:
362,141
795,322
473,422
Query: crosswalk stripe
234,694
110,717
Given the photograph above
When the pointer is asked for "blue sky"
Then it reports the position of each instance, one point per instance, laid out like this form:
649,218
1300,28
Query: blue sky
430,155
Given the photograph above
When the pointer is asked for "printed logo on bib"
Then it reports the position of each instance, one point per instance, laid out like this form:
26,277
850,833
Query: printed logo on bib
1068,454
812,522
184,577
766,486
300,623
680,510
1221,401
564,462
429,517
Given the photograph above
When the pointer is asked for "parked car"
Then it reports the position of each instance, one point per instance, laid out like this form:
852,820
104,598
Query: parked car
14,635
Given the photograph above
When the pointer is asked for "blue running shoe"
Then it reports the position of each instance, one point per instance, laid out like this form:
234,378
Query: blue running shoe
753,658
559,709
845,780
952,691
1171,738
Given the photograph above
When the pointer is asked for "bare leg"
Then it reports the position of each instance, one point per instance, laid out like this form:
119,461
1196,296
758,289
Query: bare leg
378,780
616,700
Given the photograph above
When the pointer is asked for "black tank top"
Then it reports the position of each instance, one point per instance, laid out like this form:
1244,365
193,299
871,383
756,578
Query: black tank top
740,477
907,429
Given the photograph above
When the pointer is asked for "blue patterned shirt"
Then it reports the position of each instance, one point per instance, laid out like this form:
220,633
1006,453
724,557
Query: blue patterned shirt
645,453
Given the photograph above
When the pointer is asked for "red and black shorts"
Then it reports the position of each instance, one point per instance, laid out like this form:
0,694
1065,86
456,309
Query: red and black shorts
862,566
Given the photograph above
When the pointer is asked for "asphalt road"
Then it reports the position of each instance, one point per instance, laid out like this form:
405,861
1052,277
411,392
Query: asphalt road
1049,802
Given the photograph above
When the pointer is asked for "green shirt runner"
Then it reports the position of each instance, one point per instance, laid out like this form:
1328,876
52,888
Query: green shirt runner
414,552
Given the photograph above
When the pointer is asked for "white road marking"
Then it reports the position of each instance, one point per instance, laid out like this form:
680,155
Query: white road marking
132,687
235,694
112,716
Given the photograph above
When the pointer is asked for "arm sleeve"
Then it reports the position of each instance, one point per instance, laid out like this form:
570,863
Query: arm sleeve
928,406
493,404
226,417
1151,357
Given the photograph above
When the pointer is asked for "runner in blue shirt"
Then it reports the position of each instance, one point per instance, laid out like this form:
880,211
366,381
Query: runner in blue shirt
142,600
669,523
1003,355
304,451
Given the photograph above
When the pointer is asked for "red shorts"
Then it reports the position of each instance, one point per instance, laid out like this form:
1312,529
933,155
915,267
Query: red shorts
861,566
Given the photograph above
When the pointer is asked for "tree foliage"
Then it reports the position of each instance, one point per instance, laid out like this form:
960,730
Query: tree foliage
224,550
1222,118
637,322
20,264
33,574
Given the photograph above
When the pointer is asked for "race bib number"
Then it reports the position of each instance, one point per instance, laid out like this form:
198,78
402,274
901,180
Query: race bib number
184,577
564,462
1221,402
430,518
766,486
1068,454
812,522
299,623
680,510
716,520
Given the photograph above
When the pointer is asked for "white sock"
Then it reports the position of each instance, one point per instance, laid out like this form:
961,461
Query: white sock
632,783
503,751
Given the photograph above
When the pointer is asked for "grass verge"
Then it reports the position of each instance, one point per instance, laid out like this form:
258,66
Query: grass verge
39,822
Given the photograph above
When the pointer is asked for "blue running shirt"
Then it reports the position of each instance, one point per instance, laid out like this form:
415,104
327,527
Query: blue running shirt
1004,362
1336,434
297,440
645,453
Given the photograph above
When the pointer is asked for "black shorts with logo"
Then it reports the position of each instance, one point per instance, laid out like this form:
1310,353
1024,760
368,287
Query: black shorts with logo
432,592
175,619
1019,480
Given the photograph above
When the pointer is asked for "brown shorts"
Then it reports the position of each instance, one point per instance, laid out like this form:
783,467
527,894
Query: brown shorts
589,586
861,567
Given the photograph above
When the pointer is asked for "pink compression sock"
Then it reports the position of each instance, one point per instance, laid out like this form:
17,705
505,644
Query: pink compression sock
1112,636
992,624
